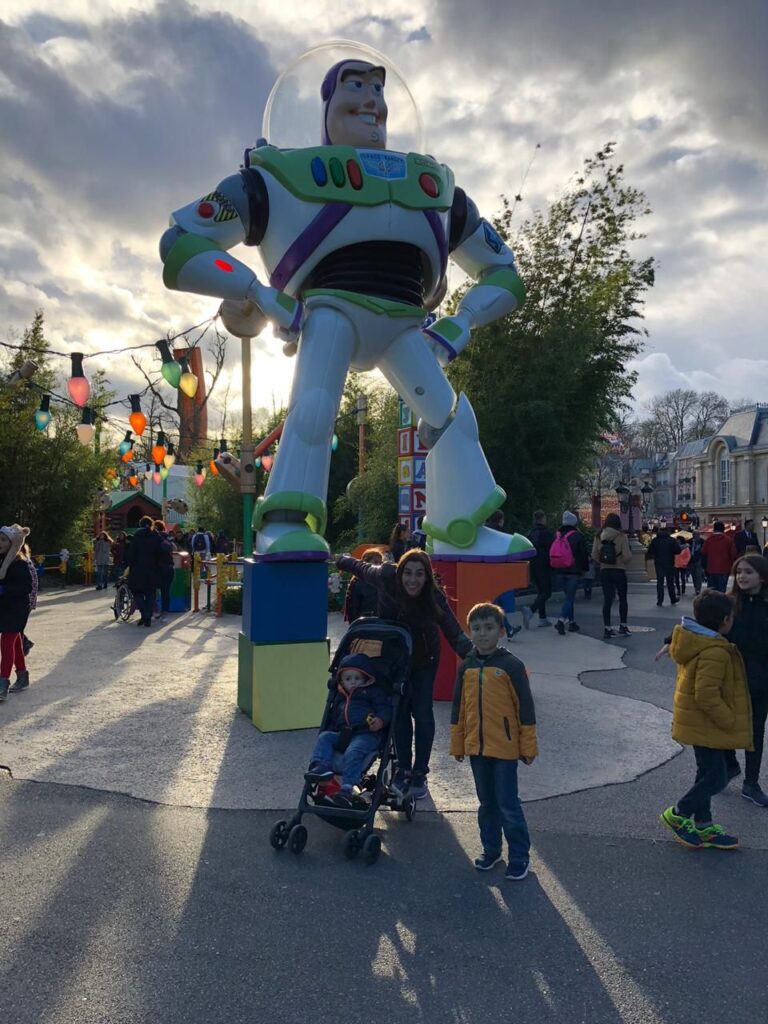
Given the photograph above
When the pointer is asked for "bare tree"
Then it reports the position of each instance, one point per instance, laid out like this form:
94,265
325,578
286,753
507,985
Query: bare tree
678,416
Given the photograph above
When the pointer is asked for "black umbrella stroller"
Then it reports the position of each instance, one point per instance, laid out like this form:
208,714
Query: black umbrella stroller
389,646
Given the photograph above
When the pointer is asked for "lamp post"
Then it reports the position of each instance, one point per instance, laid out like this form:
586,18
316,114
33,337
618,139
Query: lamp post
361,409
622,493
247,457
764,524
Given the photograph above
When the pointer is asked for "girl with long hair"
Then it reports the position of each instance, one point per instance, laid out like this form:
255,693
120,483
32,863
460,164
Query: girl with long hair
611,552
407,593
750,634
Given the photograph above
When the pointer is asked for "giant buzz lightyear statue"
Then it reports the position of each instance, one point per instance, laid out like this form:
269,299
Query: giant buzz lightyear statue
355,239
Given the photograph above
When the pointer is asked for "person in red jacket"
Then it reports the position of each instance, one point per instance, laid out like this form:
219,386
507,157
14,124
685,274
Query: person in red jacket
719,553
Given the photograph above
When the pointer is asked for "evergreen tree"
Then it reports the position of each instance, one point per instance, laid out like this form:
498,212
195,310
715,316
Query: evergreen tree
548,381
50,480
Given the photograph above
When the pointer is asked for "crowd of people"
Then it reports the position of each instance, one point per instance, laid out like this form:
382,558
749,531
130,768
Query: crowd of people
721,700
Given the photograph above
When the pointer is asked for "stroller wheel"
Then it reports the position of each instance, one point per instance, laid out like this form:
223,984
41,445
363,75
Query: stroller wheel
278,835
297,838
409,807
371,848
352,844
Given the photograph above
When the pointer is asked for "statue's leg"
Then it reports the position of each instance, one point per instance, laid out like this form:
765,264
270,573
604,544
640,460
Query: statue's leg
461,490
291,516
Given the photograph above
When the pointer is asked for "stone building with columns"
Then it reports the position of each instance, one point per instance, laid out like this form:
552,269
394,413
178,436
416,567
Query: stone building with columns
728,478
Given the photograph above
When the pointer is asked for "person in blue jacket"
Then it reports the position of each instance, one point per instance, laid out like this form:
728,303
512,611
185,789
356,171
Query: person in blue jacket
360,712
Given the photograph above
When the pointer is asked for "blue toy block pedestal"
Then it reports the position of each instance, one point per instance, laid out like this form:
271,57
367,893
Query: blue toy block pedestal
285,602
283,648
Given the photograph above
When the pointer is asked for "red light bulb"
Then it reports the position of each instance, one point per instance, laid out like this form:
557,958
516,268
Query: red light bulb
78,387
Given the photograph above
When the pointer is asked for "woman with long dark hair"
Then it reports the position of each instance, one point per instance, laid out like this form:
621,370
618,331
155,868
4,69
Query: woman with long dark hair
407,593
750,634
610,551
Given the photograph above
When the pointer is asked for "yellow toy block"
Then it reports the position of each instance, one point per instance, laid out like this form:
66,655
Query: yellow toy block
289,684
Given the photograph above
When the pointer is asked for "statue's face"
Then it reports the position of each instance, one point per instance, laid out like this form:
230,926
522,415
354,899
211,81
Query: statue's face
356,113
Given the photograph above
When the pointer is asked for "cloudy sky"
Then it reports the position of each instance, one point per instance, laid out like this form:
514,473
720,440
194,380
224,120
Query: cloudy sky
114,114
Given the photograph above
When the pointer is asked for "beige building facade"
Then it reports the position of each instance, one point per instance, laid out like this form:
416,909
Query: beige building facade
728,478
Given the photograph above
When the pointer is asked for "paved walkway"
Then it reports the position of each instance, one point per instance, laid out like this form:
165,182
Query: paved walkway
153,714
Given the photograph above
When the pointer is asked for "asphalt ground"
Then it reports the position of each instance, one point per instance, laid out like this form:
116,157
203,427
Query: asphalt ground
118,910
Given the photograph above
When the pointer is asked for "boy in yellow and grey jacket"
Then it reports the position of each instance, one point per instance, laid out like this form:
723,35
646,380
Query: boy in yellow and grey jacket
493,721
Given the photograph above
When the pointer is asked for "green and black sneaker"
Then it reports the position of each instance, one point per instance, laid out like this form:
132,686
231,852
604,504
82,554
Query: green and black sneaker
683,828
716,837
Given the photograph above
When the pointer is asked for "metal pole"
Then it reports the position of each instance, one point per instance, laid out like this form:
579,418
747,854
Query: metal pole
361,406
247,468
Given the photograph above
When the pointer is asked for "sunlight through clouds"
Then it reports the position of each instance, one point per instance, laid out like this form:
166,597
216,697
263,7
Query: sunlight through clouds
113,116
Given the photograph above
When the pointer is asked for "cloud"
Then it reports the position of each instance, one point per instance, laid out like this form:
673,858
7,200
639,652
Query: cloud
735,378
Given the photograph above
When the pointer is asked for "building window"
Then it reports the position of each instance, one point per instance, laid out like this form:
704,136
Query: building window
725,479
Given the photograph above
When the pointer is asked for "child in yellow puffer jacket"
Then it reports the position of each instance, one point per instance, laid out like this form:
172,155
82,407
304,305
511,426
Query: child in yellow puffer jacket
712,713
493,721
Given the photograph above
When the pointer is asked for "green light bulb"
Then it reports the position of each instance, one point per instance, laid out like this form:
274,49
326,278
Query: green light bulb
172,373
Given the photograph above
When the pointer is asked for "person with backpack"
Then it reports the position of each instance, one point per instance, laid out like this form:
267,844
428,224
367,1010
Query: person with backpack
682,561
610,550
541,536
569,560
201,543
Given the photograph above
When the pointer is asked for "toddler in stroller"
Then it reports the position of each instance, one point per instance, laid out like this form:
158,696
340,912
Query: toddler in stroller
368,676
358,714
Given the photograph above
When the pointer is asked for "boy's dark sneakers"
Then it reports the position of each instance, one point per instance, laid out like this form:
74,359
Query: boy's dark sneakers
560,627
318,773
608,634
716,837
751,791
683,828
624,631
4,684
516,872
486,861
418,787
573,627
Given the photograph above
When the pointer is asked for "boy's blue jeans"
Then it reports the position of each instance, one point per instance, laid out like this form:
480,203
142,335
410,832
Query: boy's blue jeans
711,778
360,746
500,809
569,583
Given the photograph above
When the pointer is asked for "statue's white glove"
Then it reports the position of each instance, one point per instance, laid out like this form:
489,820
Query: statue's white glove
242,318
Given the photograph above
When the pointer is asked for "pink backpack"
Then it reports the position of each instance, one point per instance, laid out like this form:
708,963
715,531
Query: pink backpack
561,552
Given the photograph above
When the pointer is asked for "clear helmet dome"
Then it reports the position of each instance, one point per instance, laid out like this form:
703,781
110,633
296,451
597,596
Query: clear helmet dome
293,116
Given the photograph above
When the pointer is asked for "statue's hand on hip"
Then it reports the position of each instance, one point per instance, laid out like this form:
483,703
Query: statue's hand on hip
447,337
